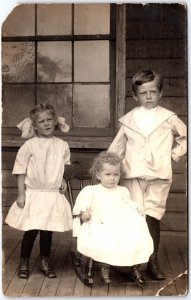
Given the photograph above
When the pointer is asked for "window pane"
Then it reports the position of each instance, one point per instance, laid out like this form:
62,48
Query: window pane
91,61
60,96
91,106
18,61
18,100
54,62
20,22
54,19
92,18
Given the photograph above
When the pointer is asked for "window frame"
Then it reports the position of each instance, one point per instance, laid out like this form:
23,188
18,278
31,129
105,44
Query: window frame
98,137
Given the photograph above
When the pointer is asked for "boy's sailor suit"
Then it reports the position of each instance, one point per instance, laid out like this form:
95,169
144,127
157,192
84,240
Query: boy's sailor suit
147,156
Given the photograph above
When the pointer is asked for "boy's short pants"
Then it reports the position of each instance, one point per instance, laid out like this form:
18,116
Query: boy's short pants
150,194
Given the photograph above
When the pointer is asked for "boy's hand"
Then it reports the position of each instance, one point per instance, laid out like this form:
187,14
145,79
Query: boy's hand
140,211
85,216
175,157
21,201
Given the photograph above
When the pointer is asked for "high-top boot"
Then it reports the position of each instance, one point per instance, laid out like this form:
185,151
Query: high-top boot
45,268
105,273
23,269
153,268
135,275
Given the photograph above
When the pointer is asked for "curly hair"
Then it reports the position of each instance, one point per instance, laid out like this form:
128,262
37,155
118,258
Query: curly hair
34,113
104,157
145,76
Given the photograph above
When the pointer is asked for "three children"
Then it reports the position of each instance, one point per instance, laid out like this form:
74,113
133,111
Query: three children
114,231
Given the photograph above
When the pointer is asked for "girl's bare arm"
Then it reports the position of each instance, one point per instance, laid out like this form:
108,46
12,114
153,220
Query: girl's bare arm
21,190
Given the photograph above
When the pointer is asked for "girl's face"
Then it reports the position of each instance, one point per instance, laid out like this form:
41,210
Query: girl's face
45,124
148,94
109,175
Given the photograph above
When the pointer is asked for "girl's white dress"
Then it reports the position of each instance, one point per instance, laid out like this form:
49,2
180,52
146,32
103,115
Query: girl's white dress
43,161
116,233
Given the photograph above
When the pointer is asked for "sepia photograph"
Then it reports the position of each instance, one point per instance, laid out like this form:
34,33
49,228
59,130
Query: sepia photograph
94,101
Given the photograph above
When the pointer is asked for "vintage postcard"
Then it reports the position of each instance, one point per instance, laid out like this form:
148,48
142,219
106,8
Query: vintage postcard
94,89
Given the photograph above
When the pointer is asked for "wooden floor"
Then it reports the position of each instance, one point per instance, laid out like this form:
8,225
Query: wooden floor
172,257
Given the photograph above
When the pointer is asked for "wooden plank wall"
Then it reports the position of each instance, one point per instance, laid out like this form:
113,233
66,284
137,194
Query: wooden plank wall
156,39
174,219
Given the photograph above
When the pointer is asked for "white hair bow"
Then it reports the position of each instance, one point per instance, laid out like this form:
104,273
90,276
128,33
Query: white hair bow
62,124
27,128
28,131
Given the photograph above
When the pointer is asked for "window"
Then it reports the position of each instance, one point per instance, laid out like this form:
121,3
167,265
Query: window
67,60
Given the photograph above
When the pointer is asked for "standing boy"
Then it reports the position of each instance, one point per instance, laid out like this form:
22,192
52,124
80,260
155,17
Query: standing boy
146,143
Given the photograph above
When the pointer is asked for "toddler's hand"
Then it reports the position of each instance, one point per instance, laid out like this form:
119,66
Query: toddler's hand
21,201
85,216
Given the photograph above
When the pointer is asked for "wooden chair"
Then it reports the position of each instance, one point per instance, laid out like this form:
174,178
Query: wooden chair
83,265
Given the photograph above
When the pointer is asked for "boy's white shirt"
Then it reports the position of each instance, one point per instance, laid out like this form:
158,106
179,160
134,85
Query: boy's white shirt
145,119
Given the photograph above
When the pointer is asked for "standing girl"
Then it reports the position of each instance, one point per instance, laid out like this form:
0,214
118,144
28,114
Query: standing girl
39,167
114,231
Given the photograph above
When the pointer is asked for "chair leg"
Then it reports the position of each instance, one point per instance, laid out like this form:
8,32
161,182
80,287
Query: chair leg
83,267
78,259
90,268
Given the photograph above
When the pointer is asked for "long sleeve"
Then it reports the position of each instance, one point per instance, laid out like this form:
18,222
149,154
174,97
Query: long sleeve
82,200
82,203
119,143
180,136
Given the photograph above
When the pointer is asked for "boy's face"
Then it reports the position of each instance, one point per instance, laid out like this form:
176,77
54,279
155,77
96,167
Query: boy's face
148,94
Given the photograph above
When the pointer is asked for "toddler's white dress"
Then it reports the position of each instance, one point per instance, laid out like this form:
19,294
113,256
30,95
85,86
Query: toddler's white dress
43,161
116,233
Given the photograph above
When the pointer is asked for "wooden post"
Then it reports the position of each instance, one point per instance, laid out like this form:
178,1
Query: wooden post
120,61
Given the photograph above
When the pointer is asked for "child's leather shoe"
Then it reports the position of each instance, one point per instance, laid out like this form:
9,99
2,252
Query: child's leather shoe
105,273
23,269
153,268
136,275
45,268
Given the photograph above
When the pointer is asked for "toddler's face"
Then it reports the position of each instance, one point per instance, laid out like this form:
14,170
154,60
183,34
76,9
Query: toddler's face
110,175
148,94
45,124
